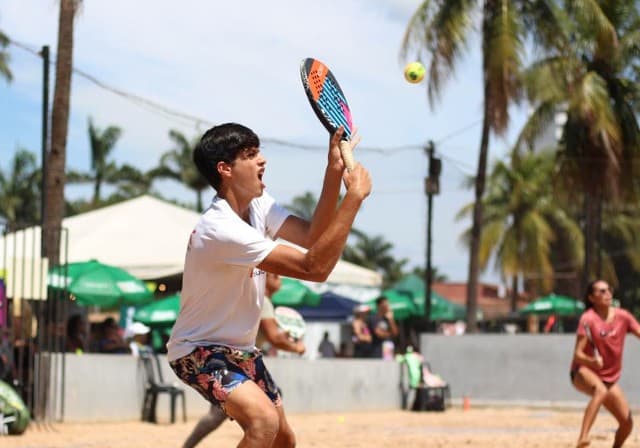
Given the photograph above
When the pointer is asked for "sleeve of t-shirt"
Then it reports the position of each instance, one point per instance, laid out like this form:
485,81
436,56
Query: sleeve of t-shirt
235,242
632,323
267,310
581,331
274,213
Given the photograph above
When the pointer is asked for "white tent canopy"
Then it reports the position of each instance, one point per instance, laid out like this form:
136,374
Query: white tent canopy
145,236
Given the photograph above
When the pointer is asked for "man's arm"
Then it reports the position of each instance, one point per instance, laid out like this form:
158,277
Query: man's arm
278,338
305,233
318,262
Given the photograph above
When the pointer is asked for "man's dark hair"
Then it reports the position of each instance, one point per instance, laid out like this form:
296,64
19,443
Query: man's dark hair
380,299
222,143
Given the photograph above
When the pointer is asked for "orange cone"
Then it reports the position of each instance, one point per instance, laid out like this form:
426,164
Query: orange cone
466,403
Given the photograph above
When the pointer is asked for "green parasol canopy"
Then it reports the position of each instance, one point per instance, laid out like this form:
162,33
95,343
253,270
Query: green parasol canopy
554,304
406,299
161,312
94,283
295,293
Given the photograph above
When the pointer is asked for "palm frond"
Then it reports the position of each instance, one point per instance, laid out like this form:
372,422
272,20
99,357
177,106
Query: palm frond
502,50
438,32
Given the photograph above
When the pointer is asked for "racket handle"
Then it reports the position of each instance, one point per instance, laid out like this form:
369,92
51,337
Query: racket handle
347,155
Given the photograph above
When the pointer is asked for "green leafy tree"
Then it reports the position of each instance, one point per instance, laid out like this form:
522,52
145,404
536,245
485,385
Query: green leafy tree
177,164
519,221
440,30
436,275
4,57
303,206
592,77
375,253
19,191
102,143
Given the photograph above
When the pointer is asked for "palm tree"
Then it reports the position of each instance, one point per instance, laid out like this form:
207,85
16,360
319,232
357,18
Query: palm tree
521,215
102,143
19,191
441,30
4,57
303,206
591,77
375,253
177,164
54,205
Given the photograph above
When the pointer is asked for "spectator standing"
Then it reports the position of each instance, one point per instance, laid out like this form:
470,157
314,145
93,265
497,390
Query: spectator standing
326,347
383,327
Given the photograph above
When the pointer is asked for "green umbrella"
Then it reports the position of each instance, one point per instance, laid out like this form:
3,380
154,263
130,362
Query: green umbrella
406,299
160,312
554,304
94,283
295,293
401,302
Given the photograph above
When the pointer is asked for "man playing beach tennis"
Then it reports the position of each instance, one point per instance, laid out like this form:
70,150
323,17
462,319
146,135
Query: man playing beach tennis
268,332
212,345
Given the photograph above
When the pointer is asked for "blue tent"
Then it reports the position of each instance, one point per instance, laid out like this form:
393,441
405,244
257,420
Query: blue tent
332,307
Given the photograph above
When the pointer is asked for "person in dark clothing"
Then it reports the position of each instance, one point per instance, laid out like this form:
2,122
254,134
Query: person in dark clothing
382,326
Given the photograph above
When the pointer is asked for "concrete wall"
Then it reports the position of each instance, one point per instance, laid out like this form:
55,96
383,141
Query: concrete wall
527,369
490,369
110,387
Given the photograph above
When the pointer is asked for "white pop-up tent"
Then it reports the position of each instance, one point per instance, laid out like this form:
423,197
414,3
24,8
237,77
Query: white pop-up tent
145,236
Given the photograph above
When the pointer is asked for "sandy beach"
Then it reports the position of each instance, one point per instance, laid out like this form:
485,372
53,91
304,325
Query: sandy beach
478,427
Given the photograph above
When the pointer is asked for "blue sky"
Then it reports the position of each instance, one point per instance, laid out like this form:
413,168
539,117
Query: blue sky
239,61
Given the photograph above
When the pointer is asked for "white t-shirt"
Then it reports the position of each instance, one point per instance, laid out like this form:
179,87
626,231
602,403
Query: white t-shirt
268,312
222,290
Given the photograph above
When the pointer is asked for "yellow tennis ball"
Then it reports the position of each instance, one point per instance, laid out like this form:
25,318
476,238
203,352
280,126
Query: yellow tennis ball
414,72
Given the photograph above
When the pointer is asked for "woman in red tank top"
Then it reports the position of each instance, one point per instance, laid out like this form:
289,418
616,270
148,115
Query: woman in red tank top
597,360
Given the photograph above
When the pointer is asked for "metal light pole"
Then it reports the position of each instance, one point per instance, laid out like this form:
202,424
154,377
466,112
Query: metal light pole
45,139
431,187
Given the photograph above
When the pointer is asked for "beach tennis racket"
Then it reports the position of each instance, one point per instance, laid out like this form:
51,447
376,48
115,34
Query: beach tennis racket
291,321
587,330
329,103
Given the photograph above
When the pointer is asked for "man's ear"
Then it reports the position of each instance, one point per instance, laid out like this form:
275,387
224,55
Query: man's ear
224,169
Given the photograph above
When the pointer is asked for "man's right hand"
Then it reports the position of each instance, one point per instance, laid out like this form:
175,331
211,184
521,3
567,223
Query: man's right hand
358,182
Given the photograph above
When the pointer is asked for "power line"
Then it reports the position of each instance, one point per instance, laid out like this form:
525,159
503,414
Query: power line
183,117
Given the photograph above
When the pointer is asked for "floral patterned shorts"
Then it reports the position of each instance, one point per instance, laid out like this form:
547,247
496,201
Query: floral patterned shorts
215,370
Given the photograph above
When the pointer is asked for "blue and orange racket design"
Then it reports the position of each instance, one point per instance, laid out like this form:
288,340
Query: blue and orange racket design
328,102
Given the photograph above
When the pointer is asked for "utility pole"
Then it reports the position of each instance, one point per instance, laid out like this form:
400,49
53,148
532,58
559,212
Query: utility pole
431,188
45,143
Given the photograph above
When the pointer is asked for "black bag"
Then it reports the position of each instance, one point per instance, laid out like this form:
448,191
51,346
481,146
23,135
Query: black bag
429,399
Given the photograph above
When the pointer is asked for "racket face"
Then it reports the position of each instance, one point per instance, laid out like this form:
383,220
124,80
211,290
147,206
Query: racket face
326,97
290,321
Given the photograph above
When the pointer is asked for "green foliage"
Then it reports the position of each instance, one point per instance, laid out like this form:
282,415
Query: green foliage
177,164
20,191
4,57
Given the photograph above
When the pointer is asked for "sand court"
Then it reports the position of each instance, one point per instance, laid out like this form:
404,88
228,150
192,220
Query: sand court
478,427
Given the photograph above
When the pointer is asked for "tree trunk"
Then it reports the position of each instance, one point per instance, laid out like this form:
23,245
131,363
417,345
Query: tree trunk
54,211
590,236
472,283
514,294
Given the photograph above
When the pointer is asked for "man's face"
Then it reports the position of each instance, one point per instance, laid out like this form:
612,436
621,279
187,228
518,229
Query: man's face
248,170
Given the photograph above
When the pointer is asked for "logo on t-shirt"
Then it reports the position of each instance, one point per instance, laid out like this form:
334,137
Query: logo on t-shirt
255,272
604,333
